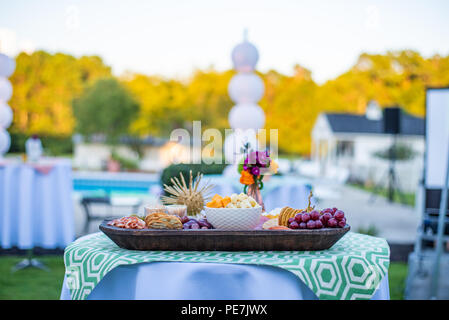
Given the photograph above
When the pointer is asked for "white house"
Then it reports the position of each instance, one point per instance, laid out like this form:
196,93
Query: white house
342,141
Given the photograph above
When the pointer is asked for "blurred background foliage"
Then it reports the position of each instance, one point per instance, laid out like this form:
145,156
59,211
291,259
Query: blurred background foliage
105,108
175,170
397,152
46,86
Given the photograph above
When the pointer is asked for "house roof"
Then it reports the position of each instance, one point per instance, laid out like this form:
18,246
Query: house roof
351,123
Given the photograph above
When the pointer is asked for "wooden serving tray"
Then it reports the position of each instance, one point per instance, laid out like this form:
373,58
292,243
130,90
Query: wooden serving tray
221,240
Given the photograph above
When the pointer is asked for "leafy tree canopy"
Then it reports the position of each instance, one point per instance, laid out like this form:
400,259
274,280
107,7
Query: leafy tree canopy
105,108
43,88
45,84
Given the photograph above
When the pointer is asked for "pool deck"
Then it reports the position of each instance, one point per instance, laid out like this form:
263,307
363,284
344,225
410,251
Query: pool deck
395,222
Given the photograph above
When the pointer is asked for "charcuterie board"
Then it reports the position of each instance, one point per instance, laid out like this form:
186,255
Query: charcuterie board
224,240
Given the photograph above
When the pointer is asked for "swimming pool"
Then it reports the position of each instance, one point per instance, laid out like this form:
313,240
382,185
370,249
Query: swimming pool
114,183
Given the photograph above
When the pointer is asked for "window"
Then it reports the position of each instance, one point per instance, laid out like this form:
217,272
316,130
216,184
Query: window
345,149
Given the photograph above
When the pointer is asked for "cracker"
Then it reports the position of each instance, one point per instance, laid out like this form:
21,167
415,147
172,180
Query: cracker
286,214
162,221
282,215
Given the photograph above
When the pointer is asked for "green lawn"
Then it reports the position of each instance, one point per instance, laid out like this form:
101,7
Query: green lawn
397,275
405,197
31,283
39,284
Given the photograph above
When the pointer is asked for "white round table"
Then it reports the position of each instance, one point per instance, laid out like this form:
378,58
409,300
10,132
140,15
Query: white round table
36,208
204,281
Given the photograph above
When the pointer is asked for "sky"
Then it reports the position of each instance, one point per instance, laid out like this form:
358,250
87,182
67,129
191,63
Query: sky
172,38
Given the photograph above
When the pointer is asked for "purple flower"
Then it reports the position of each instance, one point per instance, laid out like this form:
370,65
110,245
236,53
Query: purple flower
264,160
252,158
245,167
255,171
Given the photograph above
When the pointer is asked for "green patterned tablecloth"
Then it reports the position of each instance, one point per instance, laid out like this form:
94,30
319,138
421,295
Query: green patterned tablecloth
352,269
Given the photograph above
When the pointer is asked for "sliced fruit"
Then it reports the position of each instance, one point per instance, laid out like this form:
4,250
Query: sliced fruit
279,228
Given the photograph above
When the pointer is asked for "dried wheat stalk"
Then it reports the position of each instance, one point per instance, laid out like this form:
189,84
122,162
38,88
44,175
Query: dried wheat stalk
189,195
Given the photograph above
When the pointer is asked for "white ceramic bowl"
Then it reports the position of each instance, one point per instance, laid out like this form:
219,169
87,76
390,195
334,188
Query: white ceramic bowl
234,218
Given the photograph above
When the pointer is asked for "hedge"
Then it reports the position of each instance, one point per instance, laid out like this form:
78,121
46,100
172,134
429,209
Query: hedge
175,169
52,145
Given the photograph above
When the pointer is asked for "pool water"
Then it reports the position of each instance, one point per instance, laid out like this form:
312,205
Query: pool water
111,187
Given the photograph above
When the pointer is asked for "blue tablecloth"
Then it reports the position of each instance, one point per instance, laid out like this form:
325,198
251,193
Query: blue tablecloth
204,281
36,206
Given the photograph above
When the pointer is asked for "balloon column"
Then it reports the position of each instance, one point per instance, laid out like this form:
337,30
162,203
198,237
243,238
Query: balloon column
246,88
7,66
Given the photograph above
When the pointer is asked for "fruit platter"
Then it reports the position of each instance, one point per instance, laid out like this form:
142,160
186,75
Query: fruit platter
230,223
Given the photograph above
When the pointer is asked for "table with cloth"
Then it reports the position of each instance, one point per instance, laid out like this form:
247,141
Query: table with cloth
36,206
356,267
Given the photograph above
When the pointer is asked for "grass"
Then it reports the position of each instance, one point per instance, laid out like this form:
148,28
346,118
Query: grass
32,284
397,275
371,230
404,197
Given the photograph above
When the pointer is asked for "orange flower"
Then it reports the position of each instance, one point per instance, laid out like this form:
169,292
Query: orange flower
246,178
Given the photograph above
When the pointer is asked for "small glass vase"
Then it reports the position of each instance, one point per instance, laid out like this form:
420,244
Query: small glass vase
254,192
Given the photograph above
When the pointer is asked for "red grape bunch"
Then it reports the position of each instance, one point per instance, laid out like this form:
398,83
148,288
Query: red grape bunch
191,223
333,218
327,218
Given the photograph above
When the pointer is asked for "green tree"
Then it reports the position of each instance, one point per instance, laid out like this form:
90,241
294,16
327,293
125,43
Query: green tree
105,108
399,151
398,77
164,105
44,86
210,102
290,106
167,104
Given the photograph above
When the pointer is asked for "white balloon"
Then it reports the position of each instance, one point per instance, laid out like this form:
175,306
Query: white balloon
5,141
7,65
235,142
245,57
246,88
5,115
5,89
246,116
